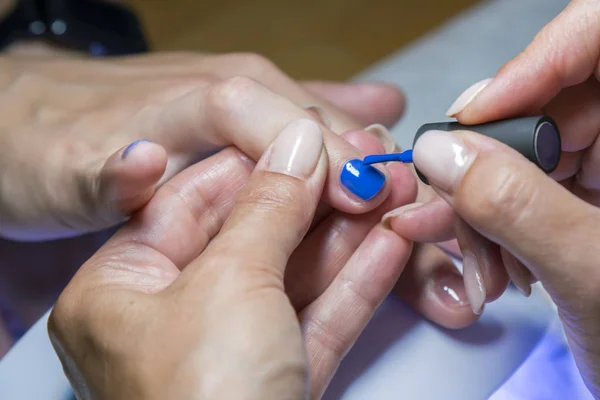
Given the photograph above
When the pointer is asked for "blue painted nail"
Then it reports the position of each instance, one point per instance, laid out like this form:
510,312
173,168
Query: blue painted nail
364,181
131,146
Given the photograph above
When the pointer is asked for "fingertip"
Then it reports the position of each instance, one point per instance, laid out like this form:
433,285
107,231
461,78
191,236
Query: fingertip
353,187
143,157
433,287
430,222
129,177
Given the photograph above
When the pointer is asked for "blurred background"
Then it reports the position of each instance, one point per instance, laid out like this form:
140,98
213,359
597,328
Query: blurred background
324,39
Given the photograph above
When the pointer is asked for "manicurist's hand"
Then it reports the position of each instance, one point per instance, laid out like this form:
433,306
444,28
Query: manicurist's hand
510,219
187,300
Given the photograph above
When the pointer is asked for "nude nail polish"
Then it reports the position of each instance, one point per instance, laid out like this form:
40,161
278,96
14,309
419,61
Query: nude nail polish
518,274
385,220
467,97
297,149
443,158
474,283
449,287
384,136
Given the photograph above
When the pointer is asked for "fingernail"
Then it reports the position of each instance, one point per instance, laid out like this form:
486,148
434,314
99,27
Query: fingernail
518,274
131,146
319,114
384,136
443,158
474,284
385,220
364,181
449,287
297,149
467,97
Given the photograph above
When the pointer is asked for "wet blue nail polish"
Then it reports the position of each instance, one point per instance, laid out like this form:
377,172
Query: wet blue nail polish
364,181
131,146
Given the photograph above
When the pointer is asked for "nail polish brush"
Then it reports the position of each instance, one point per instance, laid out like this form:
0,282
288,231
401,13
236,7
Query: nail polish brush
536,138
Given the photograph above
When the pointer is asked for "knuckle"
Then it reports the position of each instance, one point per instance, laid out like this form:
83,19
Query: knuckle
229,95
254,65
320,331
507,193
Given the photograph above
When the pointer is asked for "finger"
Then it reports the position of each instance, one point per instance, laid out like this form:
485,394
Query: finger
366,143
244,113
519,275
483,270
332,323
510,201
348,106
369,103
575,112
568,166
430,222
564,53
433,287
320,257
274,211
128,179
104,191
182,217
589,175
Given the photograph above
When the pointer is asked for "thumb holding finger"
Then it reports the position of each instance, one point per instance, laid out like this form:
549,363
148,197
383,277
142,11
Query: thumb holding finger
513,203
241,271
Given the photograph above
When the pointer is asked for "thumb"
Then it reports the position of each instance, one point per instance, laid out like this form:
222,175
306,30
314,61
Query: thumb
275,210
124,183
510,201
563,54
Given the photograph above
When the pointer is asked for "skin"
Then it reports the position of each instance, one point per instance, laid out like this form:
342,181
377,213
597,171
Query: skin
202,297
80,146
548,225
67,121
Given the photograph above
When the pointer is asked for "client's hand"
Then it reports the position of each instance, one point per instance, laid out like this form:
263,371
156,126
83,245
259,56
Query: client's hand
68,126
185,302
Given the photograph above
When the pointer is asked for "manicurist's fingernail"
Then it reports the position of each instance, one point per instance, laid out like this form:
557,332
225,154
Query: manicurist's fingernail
474,283
467,97
443,158
385,220
449,287
384,136
363,181
518,274
297,149
132,146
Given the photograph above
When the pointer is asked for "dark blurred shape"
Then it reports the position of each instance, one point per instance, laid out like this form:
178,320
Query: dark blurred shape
94,27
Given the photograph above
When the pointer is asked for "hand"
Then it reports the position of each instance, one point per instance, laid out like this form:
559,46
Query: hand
69,125
181,304
86,105
510,217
